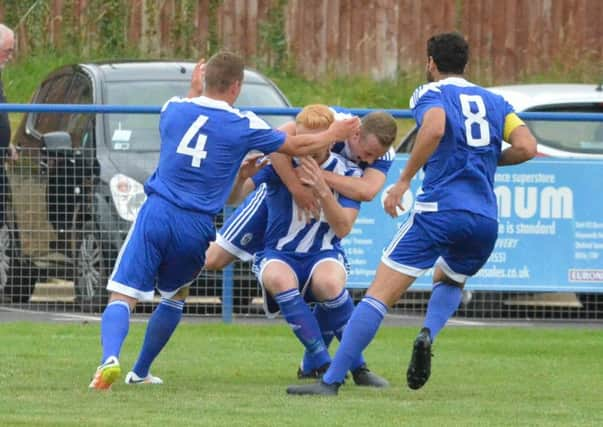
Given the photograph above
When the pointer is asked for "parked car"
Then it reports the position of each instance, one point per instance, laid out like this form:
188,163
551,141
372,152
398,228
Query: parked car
563,139
79,183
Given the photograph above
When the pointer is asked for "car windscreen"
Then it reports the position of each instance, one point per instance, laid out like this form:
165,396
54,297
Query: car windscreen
263,95
574,136
140,132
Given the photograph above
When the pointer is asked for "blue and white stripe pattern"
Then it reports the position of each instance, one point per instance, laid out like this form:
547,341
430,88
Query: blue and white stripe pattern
375,304
287,232
175,304
400,234
247,213
286,296
337,302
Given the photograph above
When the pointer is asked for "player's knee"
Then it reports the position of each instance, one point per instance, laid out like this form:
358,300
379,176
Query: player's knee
116,296
447,280
216,258
212,263
327,289
276,283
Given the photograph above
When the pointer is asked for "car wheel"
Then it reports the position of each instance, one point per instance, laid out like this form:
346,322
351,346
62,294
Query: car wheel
91,275
17,276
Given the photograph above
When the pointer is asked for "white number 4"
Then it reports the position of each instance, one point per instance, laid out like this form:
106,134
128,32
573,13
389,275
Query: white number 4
197,153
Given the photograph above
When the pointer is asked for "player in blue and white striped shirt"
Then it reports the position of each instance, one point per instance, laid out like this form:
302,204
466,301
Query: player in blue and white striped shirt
242,234
305,260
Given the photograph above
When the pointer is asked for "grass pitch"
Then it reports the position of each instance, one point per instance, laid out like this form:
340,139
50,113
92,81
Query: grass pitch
236,375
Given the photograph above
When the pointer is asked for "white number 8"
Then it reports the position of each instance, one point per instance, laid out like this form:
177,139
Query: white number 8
198,153
479,118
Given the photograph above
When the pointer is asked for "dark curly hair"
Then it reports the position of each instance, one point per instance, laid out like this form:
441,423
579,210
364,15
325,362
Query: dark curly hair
449,51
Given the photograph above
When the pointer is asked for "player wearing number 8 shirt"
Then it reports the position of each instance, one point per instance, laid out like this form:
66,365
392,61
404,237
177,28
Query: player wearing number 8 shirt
203,141
453,224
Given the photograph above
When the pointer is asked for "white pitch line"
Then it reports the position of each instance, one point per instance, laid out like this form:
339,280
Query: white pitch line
62,316
466,322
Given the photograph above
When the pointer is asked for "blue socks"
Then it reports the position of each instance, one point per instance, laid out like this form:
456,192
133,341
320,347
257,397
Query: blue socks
444,301
161,325
301,319
332,316
115,324
359,332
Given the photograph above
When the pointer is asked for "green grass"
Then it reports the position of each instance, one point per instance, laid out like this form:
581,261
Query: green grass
235,375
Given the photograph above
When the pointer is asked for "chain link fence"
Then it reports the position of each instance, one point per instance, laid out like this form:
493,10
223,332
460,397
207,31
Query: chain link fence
64,224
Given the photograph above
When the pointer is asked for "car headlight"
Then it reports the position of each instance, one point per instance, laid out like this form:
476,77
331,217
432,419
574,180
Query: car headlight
128,195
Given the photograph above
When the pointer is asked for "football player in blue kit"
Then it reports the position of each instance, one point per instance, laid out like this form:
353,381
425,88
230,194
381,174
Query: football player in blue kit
242,235
203,141
453,224
304,261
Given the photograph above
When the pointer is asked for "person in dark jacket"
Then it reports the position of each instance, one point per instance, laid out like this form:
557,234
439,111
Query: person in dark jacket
7,151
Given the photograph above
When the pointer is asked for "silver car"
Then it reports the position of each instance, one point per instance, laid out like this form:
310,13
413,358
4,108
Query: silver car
567,139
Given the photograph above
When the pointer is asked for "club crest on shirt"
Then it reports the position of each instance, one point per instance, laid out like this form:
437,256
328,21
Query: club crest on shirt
247,237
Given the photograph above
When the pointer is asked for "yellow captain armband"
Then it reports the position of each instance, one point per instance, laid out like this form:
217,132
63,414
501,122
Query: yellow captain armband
512,122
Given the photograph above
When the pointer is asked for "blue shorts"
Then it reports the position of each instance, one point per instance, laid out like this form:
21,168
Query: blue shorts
242,235
165,247
303,266
459,242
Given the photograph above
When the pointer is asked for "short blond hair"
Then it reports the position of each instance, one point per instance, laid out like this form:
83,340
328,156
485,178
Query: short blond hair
315,116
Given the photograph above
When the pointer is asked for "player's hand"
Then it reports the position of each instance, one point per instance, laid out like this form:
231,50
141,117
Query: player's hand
393,200
197,79
344,129
313,178
309,207
252,164
305,199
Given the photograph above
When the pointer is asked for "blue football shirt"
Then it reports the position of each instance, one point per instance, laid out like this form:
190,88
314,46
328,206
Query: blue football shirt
203,142
459,175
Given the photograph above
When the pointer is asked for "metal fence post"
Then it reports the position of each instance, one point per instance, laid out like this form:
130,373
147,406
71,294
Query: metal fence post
227,283
227,291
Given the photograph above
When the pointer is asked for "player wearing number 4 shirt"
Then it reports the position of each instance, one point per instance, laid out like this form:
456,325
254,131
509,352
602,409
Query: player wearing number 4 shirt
203,141
453,225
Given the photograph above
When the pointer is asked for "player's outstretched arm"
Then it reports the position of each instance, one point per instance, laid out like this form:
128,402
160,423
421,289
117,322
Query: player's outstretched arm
240,189
301,145
362,188
523,147
243,184
339,218
428,138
